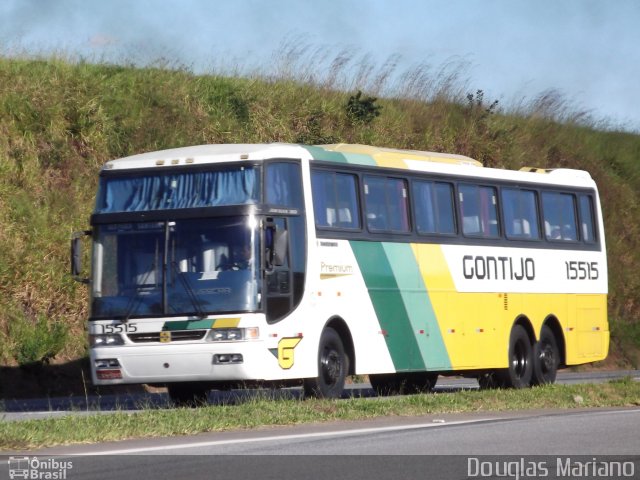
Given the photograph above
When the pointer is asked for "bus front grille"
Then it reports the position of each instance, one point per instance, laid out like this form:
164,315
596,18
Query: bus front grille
176,336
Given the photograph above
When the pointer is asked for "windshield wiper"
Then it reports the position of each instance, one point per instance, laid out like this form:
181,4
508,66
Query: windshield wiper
190,293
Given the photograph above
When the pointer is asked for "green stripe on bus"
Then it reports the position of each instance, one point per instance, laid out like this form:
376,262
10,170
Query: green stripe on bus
187,325
389,305
360,159
418,306
319,153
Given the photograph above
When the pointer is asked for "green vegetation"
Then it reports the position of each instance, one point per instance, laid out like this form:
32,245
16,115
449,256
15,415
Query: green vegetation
362,109
259,412
61,120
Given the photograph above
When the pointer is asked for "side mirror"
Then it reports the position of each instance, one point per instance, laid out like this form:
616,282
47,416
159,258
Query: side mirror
280,244
76,256
276,243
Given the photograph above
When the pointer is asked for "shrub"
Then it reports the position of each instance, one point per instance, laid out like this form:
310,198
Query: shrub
362,109
35,342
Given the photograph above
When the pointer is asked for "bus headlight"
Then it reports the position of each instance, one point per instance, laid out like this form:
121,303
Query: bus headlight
110,340
233,334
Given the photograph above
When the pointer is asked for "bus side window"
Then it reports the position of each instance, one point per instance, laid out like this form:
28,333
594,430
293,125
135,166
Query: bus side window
586,219
377,219
284,184
520,213
433,205
347,201
445,208
335,200
559,216
387,204
478,207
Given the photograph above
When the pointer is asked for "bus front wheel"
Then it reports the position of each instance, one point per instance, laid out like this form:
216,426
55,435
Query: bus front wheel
333,366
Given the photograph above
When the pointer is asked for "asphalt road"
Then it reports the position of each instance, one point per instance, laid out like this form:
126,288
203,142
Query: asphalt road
443,446
517,445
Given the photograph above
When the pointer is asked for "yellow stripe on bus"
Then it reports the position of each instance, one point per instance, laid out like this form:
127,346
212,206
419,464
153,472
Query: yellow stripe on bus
226,323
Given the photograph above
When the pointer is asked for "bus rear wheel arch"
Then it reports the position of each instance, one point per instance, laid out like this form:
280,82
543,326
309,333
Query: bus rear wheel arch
519,372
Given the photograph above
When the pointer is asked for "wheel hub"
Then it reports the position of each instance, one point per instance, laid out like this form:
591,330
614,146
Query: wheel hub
519,361
547,360
331,366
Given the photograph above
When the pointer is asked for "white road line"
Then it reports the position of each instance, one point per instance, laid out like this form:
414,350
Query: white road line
337,433
300,436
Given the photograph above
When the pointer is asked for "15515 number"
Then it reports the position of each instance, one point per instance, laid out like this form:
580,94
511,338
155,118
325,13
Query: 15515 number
119,328
582,270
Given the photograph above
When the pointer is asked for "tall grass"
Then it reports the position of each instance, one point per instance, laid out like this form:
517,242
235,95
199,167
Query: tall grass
60,120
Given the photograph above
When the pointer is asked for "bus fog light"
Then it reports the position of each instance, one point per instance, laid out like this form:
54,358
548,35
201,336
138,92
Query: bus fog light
226,358
223,358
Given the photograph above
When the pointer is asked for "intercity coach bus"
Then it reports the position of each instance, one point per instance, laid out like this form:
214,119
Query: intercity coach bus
221,265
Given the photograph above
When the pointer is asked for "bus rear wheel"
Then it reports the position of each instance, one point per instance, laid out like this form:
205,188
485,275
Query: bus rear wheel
520,371
546,358
333,365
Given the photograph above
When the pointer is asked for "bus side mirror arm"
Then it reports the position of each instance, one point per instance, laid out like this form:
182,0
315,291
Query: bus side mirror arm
76,255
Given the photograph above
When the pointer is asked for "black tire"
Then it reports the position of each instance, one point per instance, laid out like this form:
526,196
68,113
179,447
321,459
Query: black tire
333,366
403,383
188,394
520,371
546,358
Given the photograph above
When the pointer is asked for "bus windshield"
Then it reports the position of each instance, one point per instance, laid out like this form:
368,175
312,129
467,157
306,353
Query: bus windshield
182,267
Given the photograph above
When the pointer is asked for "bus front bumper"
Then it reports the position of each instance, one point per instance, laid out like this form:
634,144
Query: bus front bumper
233,361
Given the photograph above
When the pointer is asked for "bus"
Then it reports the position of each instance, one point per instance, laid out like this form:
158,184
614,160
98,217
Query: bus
222,265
